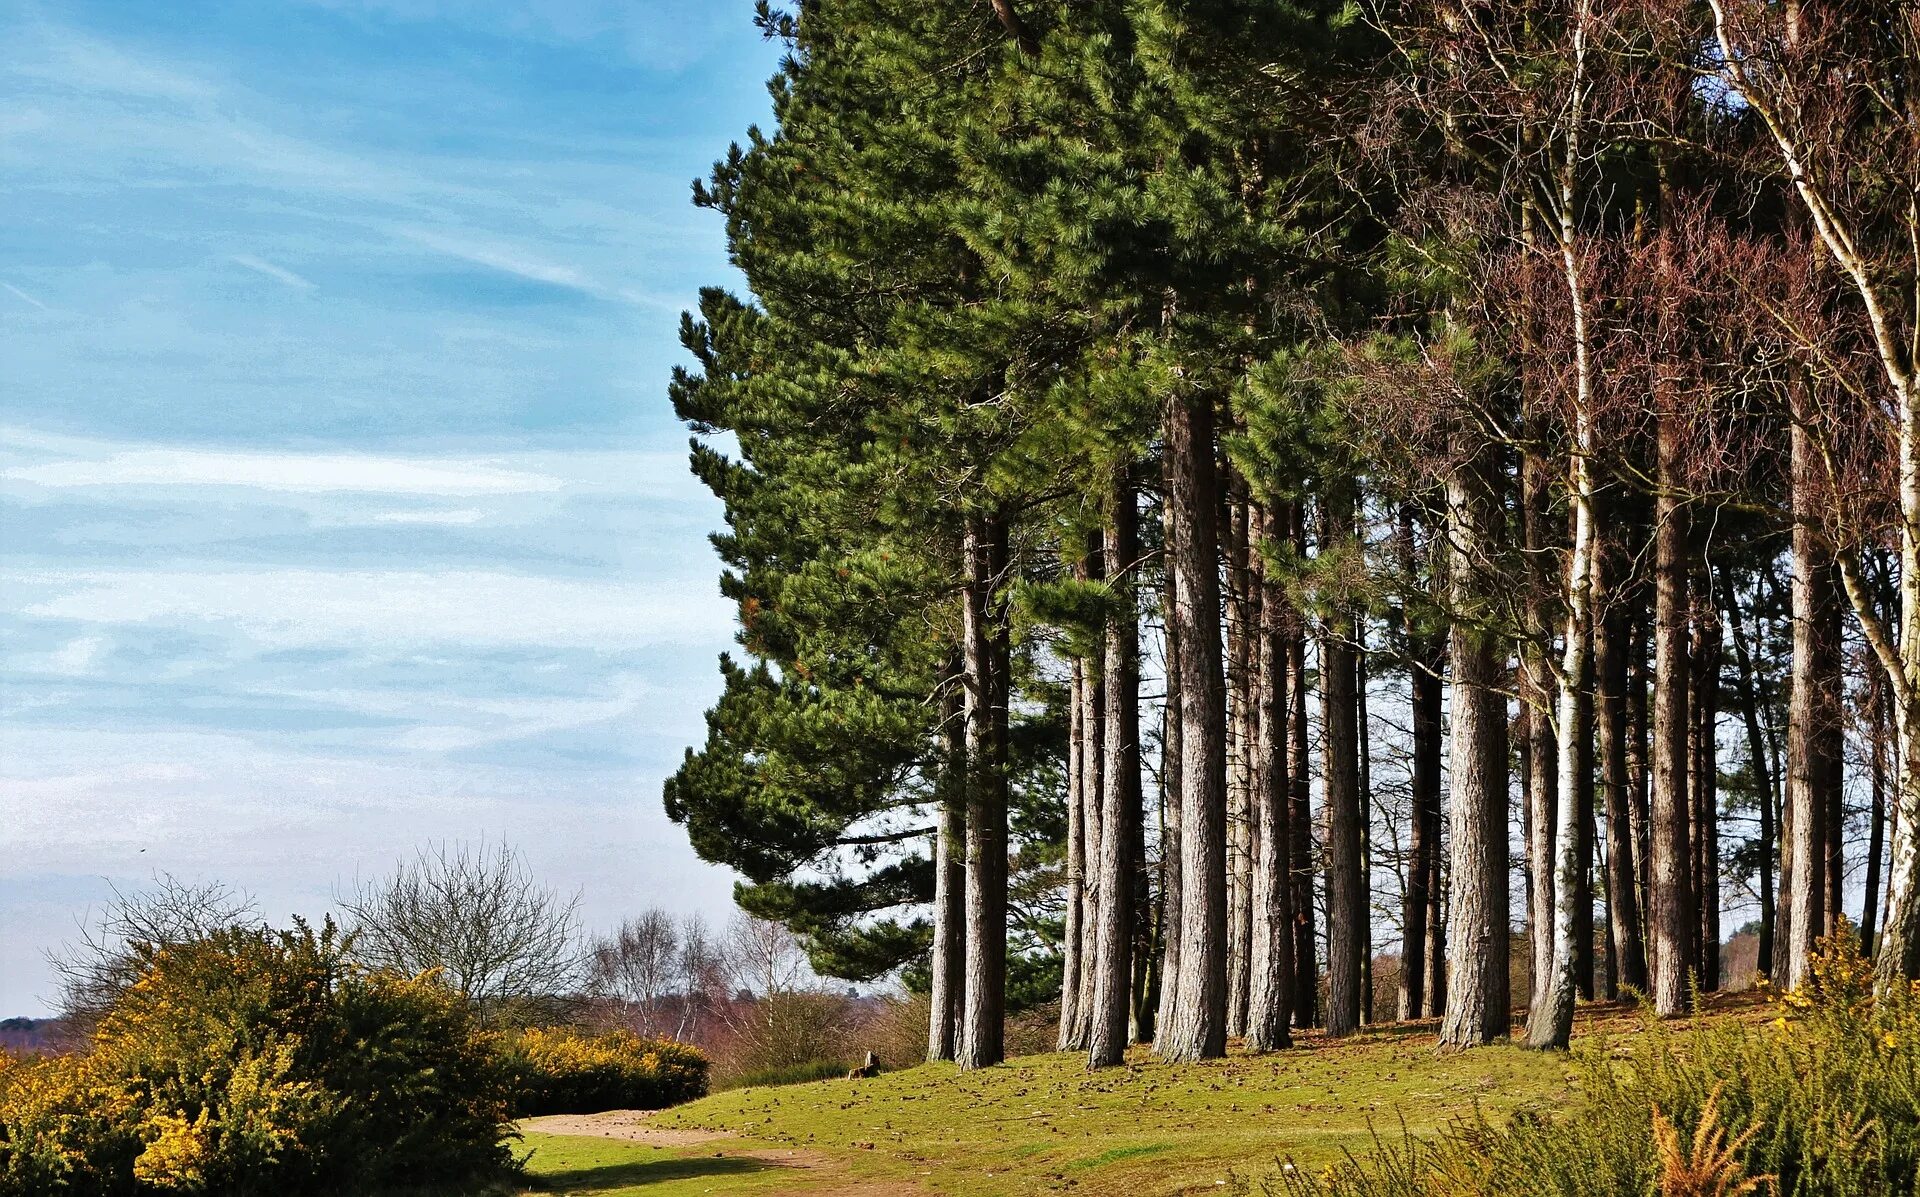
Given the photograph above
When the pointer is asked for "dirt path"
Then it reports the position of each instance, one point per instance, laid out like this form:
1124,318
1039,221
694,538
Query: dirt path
819,1174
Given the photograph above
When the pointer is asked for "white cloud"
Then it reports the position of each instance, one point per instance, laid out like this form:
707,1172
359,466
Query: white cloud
281,273
454,518
360,473
507,259
315,607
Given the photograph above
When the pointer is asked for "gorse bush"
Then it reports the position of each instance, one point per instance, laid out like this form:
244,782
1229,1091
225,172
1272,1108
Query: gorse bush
567,1072
1823,1099
260,1062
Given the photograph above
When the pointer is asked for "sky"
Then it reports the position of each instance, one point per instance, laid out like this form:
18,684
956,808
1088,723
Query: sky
341,506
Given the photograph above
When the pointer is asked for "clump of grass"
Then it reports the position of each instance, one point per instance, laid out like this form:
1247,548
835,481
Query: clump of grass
1823,1099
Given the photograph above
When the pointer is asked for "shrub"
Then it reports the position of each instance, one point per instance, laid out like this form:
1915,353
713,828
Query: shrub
258,1062
1823,1099
567,1072
791,1074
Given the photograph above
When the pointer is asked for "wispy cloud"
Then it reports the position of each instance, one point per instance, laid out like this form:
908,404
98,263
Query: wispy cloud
507,259
313,473
284,608
23,296
262,266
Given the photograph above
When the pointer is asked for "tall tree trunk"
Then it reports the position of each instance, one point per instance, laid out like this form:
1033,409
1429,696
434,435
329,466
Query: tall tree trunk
1196,1028
1640,760
1270,994
949,879
1610,642
1365,791
1704,746
1541,751
1093,727
1760,769
1120,788
1423,840
1673,925
1241,627
1073,934
1306,964
1813,716
1477,998
983,1014
1172,752
1340,781
1877,806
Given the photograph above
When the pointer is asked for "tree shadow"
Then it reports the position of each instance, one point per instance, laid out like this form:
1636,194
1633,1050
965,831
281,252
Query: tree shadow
649,1172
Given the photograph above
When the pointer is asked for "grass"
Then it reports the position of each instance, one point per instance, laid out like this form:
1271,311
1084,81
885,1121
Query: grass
1043,1124
569,1164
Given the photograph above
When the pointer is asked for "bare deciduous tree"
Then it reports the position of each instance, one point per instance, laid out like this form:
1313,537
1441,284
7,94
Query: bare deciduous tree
476,914
93,970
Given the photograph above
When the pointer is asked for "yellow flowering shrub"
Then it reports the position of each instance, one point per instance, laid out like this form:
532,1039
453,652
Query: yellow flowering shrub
567,1072
260,1063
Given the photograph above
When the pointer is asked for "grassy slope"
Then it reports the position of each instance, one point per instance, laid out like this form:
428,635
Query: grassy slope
1042,1124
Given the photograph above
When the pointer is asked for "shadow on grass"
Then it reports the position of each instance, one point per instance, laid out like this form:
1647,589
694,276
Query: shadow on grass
635,1175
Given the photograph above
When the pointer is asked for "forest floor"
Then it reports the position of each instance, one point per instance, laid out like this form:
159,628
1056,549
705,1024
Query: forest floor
1043,1124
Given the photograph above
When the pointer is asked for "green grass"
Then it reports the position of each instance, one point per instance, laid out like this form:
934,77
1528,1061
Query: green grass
568,1164
1043,1124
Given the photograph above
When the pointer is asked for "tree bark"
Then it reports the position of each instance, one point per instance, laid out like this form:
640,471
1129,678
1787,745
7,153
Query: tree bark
1340,782
1610,719
1241,633
1270,993
1120,788
1073,933
1196,1028
1092,721
1673,922
1760,768
1171,752
949,881
1877,807
1704,747
1423,840
1813,716
1541,749
1306,963
1477,998
983,1015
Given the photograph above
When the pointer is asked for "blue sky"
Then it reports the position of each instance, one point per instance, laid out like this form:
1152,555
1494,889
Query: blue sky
341,507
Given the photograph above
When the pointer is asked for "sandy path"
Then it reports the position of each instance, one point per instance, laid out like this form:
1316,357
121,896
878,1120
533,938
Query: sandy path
819,1175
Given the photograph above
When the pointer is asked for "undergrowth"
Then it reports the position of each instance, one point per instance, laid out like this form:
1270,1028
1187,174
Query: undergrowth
1823,1099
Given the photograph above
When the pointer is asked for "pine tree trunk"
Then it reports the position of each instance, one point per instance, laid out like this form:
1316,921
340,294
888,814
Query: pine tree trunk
1423,834
1092,721
1340,783
949,882
1120,790
1073,933
1477,998
1760,768
1270,993
1196,1028
1704,746
1240,732
1171,753
983,1013
1673,924
1640,761
1365,791
1813,718
1629,948
1306,963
